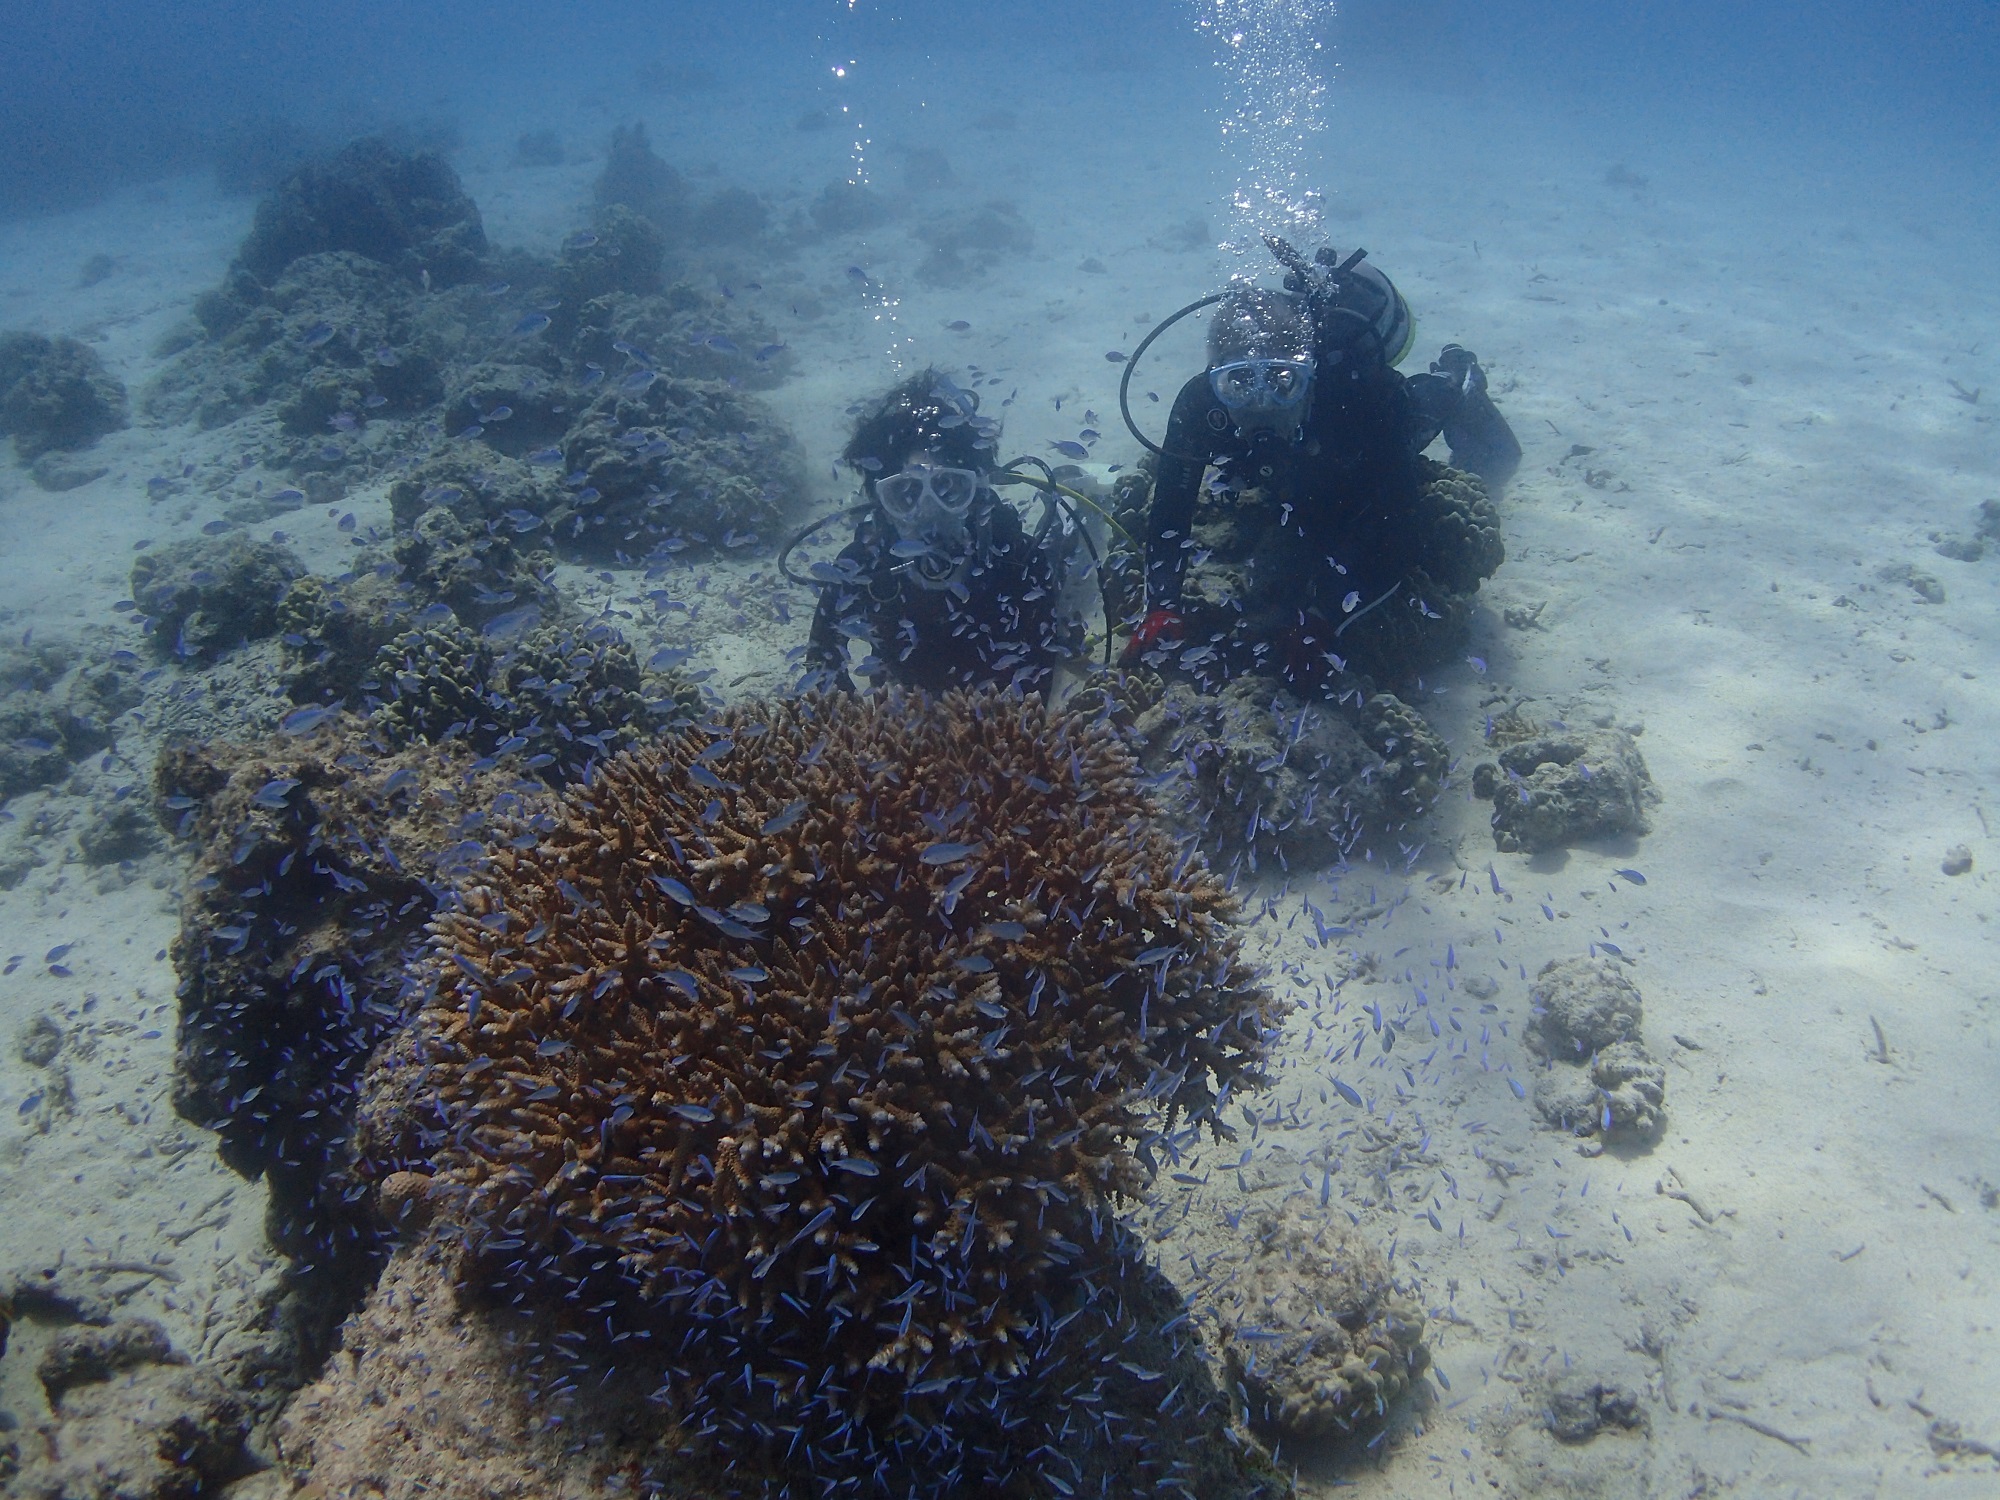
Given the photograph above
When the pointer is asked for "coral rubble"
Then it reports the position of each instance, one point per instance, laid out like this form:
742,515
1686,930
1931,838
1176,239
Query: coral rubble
1556,785
1258,774
1318,1334
832,1032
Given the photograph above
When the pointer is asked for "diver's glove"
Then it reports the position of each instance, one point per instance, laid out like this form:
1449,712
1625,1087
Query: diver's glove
1160,629
1479,437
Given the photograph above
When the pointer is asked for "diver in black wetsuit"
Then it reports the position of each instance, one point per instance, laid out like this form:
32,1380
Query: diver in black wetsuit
943,582
1302,401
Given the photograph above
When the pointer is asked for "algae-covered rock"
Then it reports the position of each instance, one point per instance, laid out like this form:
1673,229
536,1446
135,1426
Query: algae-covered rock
1600,1079
335,338
207,594
1257,773
1561,785
1317,1332
404,209
55,394
561,698
674,463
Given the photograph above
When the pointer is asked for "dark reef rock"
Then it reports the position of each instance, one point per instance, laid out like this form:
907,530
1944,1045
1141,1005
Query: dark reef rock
965,245
635,177
55,394
403,209
821,1039
83,1355
1557,785
319,856
334,333
562,698
849,208
539,148
1257,774
151,1432
205,595
480,574
623,251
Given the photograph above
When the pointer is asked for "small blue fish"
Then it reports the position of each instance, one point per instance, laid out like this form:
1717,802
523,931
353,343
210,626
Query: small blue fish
583,239
305,720
1010,932
699,1114
497,414
497,288
947,854
1353,598
288,497
591,375
772,351
1115,356
1071,450
860,1166
530,325
1515,1084
1477,663
546,456
1347,1093
675,889
1632,875
638,381
316,335
749,974
667,657
516,622
274,793
58,953
401,778
721,345
681,980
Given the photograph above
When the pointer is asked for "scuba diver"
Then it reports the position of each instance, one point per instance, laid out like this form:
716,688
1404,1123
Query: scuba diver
943,581
1302,402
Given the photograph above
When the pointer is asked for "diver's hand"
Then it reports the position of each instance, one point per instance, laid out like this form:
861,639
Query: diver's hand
1160,628
1462,366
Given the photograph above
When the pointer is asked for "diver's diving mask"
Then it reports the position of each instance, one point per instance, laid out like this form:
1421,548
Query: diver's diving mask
1264,393
928,507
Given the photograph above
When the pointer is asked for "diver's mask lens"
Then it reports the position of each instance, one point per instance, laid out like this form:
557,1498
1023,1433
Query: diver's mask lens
1263,392
922,488
929,509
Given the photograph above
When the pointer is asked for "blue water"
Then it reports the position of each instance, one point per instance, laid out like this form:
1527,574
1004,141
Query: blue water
1731,267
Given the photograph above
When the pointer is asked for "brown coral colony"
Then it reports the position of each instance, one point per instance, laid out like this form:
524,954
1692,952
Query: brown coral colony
857,1011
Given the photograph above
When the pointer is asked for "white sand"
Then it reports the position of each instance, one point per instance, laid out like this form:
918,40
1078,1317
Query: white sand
1821,737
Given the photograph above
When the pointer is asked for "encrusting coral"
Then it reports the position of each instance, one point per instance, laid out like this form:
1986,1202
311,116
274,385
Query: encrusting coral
830,1033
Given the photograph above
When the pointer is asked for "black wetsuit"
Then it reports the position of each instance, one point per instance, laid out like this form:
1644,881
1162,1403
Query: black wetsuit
998,623
1349,480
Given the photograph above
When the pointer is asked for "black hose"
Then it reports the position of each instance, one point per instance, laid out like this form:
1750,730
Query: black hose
1125,381
791,546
